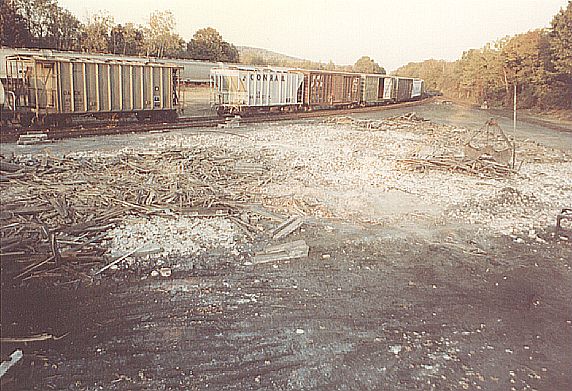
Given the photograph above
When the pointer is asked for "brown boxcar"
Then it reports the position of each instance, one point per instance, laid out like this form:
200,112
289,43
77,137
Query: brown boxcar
329,89
404,88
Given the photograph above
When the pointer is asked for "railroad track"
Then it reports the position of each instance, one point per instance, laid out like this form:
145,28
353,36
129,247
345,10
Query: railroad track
12,135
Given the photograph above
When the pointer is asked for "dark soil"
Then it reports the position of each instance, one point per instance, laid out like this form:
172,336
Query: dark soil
379,311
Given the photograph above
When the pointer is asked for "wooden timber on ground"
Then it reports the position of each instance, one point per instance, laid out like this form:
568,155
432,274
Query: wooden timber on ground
287,227
282,252
479,167
56,211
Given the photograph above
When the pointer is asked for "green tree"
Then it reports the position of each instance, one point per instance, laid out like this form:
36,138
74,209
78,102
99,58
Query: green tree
38,17
366,65
253,59
65,31
560,38
96,33
330,66
13,27
50,25
527,61
207,44
127,39
161,39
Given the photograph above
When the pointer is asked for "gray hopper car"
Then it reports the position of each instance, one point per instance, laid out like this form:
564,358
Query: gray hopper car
52,90
193,72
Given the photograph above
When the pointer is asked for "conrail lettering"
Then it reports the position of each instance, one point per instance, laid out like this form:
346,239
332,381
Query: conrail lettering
265,77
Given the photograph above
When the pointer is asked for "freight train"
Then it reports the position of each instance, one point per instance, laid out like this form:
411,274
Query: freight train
55,88
251,90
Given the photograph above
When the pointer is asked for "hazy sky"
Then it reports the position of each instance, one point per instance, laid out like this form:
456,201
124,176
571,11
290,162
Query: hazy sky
391,32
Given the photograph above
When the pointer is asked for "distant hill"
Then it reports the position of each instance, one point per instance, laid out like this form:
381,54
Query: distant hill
269,56
257,56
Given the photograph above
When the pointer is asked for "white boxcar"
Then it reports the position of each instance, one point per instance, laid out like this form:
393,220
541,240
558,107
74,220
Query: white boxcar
417,88
377,89
241,89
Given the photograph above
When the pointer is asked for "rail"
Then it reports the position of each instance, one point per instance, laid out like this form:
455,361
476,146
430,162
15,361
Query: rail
12,135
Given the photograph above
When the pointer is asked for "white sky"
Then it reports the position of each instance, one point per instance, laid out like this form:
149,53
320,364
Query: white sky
391,32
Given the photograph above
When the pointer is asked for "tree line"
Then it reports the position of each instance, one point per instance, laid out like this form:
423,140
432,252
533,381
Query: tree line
538,62
44,24
364,64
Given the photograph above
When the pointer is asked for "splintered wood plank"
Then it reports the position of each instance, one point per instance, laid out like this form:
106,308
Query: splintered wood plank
282,252
288,227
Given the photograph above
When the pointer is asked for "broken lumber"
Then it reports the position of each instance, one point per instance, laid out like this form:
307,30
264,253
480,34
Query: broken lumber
289,226
282,252
10,167
14,358
32,338
118,260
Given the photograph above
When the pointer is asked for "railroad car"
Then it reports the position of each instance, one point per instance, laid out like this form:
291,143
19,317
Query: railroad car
327,89
408,88
404,88
50,90
377,89
417,91
244,89
194,71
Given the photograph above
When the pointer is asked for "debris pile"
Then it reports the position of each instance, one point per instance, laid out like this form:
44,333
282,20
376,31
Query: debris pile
487,153
412,116
280,252
231,122
341,172
57,212
481,166
372,125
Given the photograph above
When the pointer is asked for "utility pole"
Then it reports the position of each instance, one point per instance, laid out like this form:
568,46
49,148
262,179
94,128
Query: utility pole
514,129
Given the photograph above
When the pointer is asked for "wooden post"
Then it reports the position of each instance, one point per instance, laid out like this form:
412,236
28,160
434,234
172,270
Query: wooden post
514,129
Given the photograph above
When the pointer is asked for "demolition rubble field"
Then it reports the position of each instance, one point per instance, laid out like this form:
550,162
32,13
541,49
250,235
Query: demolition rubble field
328,254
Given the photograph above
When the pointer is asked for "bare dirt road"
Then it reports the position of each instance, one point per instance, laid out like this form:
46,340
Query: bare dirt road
429,280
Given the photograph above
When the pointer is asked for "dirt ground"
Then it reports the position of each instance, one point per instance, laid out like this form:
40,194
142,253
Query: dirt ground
195,101
415,280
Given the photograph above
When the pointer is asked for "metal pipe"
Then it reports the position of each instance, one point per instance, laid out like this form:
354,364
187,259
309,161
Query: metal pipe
36,90
72,89
142,88
97,102
120,87
84,74
13,107
131,104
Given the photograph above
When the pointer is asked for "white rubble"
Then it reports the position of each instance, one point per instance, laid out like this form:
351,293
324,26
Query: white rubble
174,237
334,170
